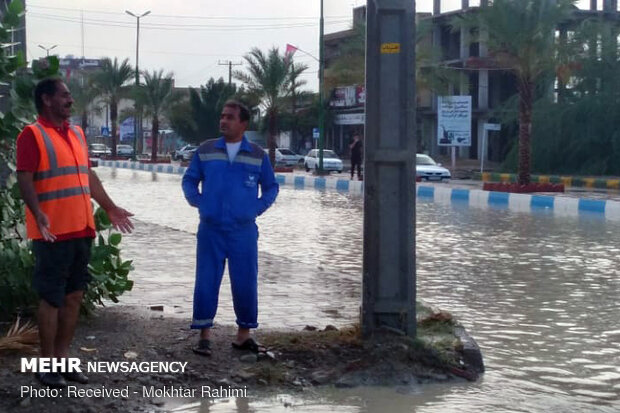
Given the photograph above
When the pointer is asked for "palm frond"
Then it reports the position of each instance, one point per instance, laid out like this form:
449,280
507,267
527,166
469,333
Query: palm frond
21,338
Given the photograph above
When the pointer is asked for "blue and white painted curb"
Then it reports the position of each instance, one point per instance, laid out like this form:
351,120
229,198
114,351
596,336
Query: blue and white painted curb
440,193
161,168
299,181
304,181
557,205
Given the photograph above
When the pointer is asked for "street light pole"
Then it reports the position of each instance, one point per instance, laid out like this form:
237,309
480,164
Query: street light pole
137,116
321,94
47,49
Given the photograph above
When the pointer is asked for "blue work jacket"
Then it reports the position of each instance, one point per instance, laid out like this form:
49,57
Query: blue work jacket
229,197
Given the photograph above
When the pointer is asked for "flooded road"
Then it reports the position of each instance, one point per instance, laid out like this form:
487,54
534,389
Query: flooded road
539,293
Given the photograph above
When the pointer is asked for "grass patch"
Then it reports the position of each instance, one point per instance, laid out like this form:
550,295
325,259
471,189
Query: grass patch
311,340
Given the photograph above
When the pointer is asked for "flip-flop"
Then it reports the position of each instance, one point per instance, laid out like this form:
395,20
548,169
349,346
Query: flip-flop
249,345
203,348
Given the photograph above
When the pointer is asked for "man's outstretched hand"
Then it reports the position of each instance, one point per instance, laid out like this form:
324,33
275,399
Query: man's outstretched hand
43,223
119,218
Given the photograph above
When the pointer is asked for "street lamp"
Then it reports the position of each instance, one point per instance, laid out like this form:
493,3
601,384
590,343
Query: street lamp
135,121
47,49
321,95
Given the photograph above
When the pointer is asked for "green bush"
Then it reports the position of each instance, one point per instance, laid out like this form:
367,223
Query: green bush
109,271
16,259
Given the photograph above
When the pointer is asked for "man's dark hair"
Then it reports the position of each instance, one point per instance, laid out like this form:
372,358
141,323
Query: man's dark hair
244,112
46,86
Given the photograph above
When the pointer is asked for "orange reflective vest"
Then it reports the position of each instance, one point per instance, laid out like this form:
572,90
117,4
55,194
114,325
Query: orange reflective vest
61,182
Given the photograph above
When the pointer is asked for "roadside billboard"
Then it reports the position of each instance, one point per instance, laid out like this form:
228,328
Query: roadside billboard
454,121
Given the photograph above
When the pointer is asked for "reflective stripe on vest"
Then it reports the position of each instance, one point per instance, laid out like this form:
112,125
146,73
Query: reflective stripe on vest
78,134
63,193
51,153
66,170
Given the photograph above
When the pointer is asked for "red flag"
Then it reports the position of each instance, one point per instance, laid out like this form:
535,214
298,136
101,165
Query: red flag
290,49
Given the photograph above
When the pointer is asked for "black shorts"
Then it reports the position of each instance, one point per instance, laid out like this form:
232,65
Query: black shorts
60,268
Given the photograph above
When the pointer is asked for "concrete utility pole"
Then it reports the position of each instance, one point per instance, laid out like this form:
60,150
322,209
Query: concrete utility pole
230,64
389,280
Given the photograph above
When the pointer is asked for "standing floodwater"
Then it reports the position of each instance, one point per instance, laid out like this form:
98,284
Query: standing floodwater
540,294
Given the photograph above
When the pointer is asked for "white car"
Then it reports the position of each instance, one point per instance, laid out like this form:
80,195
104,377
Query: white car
179,154
124,150
286,157
189,153
97,150
331,161
427,169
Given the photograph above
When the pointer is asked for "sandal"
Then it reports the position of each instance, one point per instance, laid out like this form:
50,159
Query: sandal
250,345
203,348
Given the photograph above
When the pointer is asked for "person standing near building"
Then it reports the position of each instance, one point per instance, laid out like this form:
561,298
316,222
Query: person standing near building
356,156
56,183
230,170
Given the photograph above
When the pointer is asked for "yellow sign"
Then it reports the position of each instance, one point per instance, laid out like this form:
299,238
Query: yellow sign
390,48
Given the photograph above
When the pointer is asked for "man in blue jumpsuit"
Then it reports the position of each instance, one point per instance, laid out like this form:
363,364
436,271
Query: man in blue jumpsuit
230,169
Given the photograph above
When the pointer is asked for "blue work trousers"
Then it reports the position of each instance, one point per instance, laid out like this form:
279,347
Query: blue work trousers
239,247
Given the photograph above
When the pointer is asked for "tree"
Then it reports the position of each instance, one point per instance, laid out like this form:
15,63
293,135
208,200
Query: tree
297,96
158,97
269,78
579,133
84,95
521,40
198,117
111,80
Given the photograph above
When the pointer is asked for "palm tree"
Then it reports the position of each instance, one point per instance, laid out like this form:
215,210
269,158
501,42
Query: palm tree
158,96
197,117
111,82
83,97
296,94
521,39
269,78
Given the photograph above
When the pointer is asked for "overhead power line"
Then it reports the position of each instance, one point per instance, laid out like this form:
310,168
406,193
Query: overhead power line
236,18
173,27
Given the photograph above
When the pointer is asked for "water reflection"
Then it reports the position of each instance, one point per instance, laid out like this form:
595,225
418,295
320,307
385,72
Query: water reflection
539,293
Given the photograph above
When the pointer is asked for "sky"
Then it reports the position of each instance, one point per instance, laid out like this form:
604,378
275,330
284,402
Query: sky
192,39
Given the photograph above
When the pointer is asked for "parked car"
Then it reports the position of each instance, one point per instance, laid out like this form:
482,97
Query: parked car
331,161
124,150
286,157
187,155
427,169
179,153
97,150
